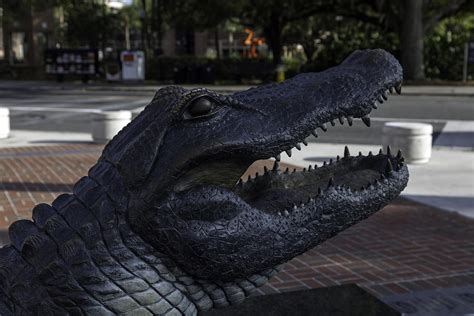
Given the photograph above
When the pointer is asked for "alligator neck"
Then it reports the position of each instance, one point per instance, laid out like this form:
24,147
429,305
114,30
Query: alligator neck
106,268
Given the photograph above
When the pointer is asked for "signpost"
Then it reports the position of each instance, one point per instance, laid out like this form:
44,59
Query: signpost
468,58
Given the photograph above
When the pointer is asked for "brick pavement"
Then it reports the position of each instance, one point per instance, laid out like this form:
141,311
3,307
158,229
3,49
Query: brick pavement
404,248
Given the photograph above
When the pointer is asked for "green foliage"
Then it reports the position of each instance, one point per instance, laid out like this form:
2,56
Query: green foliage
444,48
329,39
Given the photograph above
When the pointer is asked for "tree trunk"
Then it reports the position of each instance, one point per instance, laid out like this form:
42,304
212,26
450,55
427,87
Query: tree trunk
411,39
216,42
274,31
7,39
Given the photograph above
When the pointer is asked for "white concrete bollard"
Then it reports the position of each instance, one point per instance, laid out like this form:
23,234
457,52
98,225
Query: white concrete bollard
107,124
4,122
413,139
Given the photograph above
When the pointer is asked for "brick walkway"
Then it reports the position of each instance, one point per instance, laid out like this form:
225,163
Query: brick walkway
404,248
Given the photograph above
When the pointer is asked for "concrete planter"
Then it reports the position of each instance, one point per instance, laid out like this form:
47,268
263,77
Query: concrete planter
107,124
4,122
413,139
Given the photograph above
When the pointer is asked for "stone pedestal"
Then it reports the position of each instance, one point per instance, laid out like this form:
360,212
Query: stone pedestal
346,299
4,122
107,124
413,139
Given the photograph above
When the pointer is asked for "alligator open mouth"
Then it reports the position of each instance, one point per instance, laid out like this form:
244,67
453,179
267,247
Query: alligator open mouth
218,227
282,191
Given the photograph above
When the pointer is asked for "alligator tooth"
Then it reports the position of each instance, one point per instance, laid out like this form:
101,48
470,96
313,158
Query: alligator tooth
324,127
302,204
338,158
278,157
324,164
389,151
399,155
346,152
380,151
305,142
310,168
304,169
399,88
349,120
288,152
388,167
265,169
310,200
287,170
294,170
375,106
256,175
286,213
390,89
366,120
249,178
279,213
370,154
331,182
332,122
315,133
330,161
380,99
341,120
385,96
360,154
276,166
297,146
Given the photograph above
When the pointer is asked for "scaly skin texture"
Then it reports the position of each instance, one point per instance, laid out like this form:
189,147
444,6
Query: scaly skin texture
162,225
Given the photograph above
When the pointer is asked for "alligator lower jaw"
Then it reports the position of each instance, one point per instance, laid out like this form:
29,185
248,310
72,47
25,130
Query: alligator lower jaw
278,192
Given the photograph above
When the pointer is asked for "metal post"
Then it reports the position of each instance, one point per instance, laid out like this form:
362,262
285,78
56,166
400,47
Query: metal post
466,59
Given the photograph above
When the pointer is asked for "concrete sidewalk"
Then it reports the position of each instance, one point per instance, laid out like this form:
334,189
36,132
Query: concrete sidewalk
11,85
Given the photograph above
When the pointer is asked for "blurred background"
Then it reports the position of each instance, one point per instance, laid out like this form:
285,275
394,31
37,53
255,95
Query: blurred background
241,41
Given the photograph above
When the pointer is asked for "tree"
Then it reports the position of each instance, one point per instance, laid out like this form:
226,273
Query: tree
413,20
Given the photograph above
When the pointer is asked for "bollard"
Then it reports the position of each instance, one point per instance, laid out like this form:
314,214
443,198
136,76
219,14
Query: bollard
107,124
413,139
4,122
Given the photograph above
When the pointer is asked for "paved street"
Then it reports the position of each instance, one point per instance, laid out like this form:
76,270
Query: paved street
68,108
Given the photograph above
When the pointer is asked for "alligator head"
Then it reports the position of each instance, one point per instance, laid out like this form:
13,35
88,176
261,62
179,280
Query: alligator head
183,157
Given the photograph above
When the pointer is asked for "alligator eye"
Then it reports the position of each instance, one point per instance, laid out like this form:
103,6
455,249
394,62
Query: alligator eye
201,106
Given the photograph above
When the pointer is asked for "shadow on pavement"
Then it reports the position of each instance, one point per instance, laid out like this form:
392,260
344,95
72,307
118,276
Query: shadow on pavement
36,186
459,204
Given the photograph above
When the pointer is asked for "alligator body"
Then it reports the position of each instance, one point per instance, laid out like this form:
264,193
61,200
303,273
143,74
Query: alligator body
162,225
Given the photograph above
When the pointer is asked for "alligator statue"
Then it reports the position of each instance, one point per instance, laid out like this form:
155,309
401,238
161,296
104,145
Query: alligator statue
163,225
